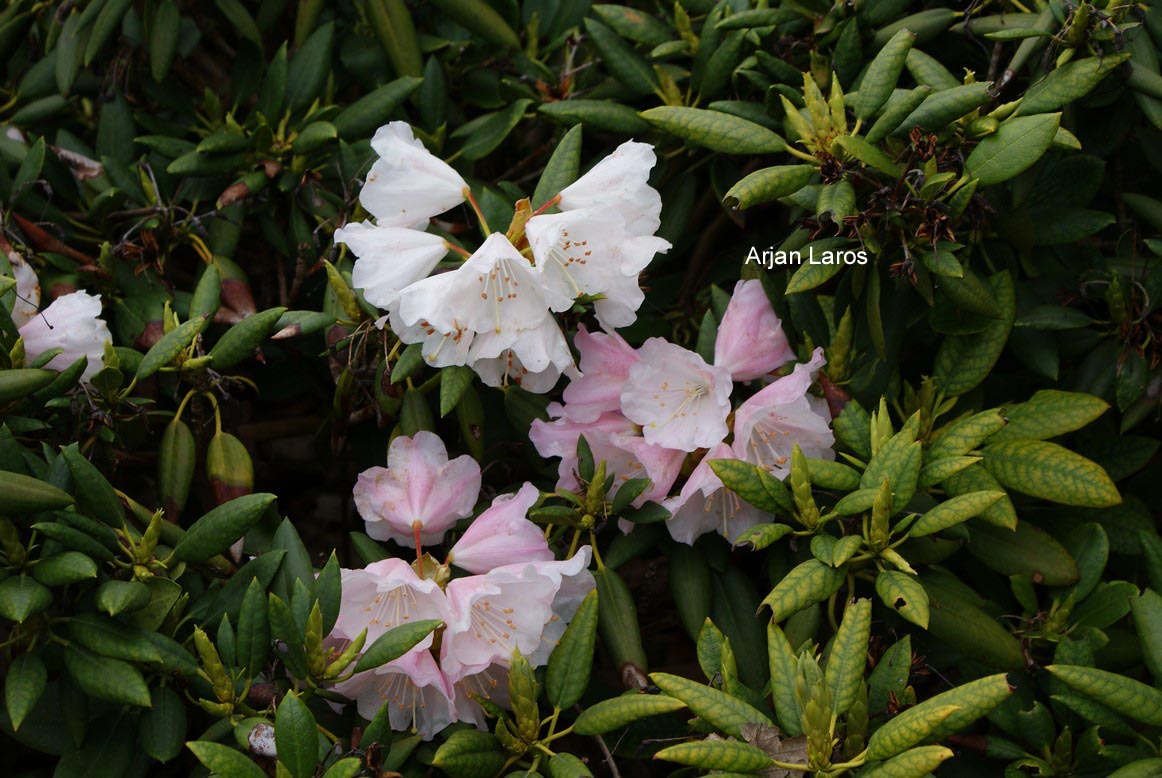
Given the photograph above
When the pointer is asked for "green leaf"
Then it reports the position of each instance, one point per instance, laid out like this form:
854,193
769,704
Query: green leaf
726,755
1067,84
905,595
23,686
217,530
240,341
760,536
1016,145
845,663
64,568
1051,472
394,643
882,74
253,642
897,460
964,626
748,482
763,186
954,511
309,67
94,493
966,434
163,39
602,115
1147,610
469,753
946,105
568,766
561,170
162,729
630,69
806,584
722,711
1125,695
105,678
907,729
296,737
916,763
784,669
868,154
225,761
616,713
21,597
974,699
24,494
492,131
567,675
1049,413
361,117
454,381
111,638
715,130
114,597
963,361
167,349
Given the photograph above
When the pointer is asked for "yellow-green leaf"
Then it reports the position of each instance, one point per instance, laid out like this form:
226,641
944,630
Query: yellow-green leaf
722,711
1051,472
763,186
954,511
609,715
1016,145
728,755
906,730
904,594
916,763
806,584
1125,695
845,663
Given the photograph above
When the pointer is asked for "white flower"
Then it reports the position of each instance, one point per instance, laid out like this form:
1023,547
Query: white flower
443,345
704,505
71,323
496,291
533,361
27,290
389,259
620,182
590,251
680,401
408,185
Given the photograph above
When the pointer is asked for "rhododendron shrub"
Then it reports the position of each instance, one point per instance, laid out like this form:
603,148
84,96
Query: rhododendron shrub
560,389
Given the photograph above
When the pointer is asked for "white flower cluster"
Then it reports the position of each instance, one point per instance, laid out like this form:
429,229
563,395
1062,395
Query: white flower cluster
494,312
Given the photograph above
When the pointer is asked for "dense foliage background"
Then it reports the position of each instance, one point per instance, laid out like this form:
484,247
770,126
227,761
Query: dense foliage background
994,369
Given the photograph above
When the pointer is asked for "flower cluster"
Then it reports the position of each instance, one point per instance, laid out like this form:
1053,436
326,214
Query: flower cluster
516,598
71,323
645,411
494,311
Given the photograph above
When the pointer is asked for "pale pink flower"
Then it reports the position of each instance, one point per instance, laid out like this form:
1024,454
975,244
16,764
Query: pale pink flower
750,340
604,365
769,424
502,534
417,695
522,606
71,323
408,185
705,505
489,684
620,182
680,401
385,595
389,259
419,486
614,439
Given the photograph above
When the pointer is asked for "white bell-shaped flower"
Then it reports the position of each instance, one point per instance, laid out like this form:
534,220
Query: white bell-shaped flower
73,324
389,259
408,185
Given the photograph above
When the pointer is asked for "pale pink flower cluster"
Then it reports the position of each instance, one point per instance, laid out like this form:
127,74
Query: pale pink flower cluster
645,410
494,312
517,598
71,322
